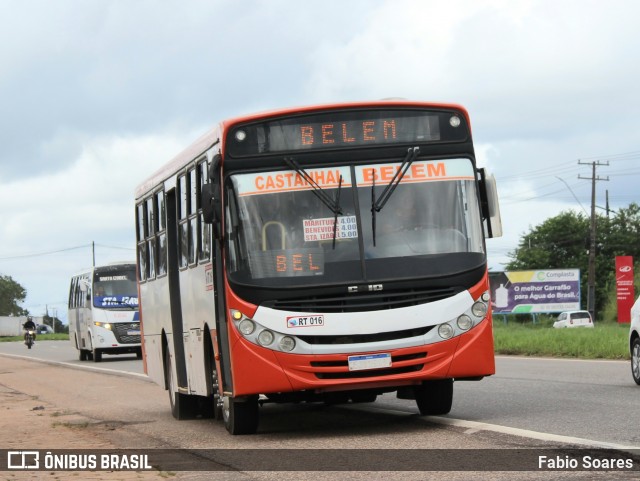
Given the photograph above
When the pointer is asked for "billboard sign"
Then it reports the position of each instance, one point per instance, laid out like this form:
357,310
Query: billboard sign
624,287
545,290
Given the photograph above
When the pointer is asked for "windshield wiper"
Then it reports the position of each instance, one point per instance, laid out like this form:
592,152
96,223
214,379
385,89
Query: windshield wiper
377,205
335,216
332,204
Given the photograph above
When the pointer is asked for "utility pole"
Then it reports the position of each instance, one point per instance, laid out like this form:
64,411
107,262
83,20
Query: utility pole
93,250
591,293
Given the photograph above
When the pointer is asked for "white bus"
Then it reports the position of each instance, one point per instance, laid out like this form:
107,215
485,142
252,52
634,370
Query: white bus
103,311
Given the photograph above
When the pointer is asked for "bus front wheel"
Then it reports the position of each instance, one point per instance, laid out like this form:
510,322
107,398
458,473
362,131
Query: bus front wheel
434,397
240,415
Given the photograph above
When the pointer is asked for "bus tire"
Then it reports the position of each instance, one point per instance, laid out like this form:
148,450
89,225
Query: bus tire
82,355
240,415
213,408
182,405
434,397
97,355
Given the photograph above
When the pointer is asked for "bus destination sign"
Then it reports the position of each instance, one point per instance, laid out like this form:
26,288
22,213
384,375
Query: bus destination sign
346,129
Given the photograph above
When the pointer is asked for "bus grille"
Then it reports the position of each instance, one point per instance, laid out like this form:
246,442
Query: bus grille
122,329
364,338
373,301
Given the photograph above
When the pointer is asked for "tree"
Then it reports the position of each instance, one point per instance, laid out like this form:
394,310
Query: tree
562,242
11,293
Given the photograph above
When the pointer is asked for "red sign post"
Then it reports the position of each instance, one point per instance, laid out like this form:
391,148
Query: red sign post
624,287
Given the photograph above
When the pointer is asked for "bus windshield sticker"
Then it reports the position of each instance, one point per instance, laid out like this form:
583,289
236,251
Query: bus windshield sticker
305,321
322,229
290,181
419,171
286,263
115,301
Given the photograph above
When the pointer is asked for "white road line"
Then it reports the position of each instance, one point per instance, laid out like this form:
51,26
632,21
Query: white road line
80,366
474,427
528,358
529,434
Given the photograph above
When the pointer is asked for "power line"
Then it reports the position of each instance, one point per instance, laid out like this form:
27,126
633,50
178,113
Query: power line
37,254
65,249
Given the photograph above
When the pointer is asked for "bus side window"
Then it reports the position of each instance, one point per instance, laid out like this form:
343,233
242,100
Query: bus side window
204,244
161,247
193,217
183,222
150,237
142,246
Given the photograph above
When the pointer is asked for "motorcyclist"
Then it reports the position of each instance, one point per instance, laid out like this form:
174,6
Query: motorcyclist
29,326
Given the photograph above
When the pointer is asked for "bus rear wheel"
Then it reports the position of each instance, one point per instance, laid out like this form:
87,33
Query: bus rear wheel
434,397
240,415
182,405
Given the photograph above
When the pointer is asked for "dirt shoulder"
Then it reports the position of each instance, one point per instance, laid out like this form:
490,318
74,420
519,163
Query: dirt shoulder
36,414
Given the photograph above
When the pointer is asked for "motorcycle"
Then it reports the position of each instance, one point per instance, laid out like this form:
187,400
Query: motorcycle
28,338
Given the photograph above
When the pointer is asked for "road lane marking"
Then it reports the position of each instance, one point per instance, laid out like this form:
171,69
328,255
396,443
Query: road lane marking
531,358
475,426
80,366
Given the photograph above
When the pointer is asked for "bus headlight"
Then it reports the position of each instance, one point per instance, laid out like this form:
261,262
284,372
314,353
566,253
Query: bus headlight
265,337
287,343
479,309
106,325
445,331
464,322
246,326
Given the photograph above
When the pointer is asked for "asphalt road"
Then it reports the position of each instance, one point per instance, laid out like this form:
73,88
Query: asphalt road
590,403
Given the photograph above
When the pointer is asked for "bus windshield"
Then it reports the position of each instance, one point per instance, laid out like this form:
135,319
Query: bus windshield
115,287
280,233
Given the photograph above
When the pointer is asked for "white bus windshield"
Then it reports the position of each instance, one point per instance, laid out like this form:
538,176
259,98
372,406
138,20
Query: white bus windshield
279,229
115,287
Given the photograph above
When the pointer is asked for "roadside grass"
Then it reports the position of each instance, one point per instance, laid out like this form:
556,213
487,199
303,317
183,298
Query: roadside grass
604,341
40,337
607,340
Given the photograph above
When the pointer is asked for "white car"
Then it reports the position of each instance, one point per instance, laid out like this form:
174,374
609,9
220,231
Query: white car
573,319
44,329
634,341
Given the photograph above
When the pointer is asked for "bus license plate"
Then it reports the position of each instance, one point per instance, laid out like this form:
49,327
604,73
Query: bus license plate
133,333
369,361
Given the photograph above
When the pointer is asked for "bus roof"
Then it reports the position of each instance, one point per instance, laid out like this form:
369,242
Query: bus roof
215,135
89,270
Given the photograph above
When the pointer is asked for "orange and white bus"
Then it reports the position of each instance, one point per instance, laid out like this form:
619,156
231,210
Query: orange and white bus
329,253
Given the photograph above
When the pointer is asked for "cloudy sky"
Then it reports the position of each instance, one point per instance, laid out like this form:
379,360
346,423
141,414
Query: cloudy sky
96,95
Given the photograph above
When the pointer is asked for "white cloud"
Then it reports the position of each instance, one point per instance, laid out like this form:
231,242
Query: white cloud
90,201
97,95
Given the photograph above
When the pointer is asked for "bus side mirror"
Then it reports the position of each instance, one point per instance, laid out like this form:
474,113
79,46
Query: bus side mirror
211,206
490,205
84,285
210,198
